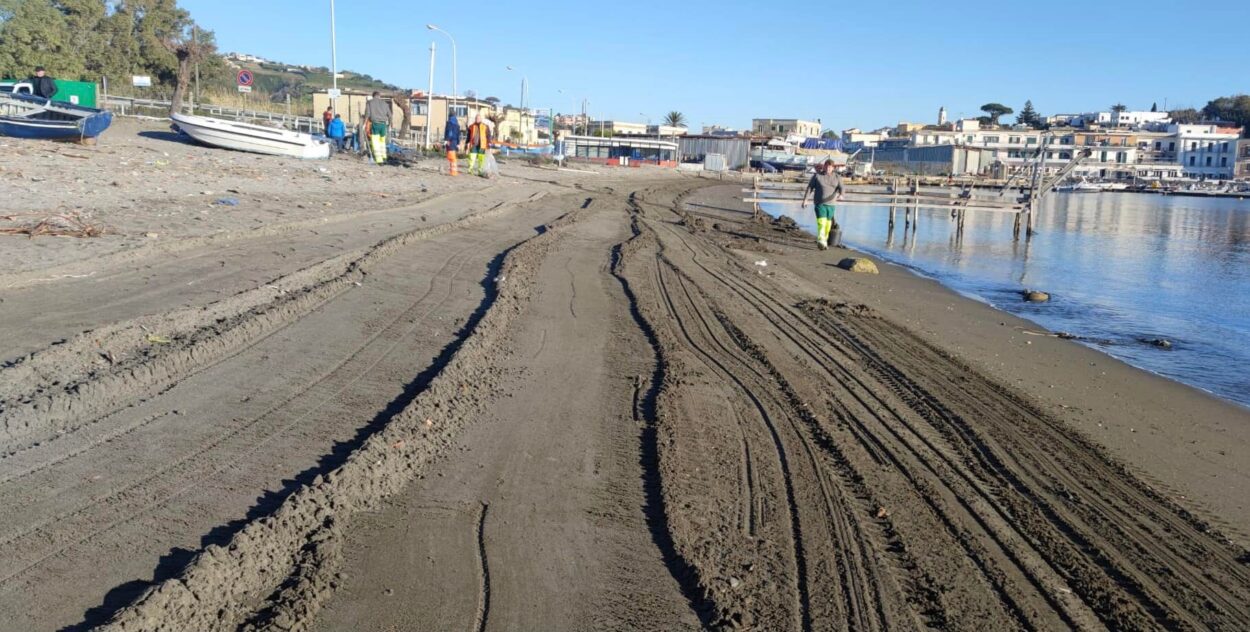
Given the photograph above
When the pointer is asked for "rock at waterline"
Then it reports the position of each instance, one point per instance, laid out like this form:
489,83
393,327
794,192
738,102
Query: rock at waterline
1034,296
858,264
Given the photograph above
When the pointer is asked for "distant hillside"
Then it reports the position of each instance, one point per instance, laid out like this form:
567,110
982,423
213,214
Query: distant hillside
279,79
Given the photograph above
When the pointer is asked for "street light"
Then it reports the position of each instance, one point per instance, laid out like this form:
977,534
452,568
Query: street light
455,87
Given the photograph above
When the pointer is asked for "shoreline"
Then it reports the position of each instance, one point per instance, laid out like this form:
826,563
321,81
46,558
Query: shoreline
1180,437
1101,317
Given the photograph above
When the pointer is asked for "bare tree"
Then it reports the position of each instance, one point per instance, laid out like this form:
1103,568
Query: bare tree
188,49
405,106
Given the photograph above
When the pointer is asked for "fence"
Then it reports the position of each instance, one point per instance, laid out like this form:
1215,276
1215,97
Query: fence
126,106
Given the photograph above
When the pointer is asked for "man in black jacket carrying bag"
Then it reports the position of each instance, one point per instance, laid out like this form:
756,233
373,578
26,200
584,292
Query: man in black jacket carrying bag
43,85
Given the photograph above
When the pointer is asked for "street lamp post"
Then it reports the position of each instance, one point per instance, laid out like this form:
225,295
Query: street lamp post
455,87
429,101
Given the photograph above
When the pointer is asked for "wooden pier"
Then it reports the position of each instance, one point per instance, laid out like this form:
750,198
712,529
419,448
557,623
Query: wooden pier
910,195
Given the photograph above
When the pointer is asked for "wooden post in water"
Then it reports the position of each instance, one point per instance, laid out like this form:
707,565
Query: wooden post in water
915,191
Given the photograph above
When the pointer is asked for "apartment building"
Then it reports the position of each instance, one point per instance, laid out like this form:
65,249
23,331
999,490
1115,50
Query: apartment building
1207,150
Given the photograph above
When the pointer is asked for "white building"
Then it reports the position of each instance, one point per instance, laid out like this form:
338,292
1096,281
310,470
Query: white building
1140,120
618,128
1207,150
785,127
866,139
666,130
1065,120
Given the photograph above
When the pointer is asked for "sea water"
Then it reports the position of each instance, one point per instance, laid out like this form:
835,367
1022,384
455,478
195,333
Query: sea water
1125,271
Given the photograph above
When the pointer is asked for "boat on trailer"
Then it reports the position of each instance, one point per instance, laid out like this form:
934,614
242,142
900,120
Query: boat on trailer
257,139
28,116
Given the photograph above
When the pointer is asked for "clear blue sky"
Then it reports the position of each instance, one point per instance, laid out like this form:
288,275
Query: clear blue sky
861,64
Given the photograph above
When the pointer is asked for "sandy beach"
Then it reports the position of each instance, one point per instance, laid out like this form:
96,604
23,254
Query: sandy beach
325,395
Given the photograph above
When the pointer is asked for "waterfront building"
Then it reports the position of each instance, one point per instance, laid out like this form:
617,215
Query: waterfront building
734,152
1242,171
1113,154
785,127
1207,150
624,151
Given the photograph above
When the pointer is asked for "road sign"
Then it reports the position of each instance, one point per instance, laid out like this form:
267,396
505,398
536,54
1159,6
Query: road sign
245,78
141,81
334,93
245,88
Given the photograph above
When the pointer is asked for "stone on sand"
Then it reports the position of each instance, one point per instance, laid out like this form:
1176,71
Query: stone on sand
858,264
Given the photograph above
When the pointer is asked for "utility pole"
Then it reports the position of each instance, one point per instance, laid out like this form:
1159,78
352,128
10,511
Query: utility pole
195,45
429,101
334,62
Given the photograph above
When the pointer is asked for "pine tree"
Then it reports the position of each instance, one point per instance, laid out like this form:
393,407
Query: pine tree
36,34
1029,116
1154,107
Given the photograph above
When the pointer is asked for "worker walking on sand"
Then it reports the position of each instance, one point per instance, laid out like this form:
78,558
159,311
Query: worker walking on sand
827,186
336,131
378,111
451,142
43,85
479,144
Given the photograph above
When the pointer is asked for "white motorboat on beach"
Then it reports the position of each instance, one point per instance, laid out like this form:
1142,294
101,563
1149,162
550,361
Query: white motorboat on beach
253,138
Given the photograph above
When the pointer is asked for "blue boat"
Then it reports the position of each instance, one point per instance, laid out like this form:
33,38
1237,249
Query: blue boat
26,116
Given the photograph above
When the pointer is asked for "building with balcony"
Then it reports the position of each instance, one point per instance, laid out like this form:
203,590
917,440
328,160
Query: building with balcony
1207,151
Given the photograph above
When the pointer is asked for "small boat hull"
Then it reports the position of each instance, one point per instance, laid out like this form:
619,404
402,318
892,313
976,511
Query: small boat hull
251,138
23,116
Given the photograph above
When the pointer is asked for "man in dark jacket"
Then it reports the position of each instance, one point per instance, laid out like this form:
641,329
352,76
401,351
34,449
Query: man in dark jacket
44,85
451,142
827,186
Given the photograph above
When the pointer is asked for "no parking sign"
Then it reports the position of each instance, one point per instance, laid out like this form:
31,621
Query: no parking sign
245,80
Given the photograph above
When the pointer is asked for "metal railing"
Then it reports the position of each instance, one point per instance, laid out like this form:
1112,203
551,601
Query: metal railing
126,106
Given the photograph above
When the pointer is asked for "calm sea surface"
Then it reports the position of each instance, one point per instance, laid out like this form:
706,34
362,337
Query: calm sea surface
1122,270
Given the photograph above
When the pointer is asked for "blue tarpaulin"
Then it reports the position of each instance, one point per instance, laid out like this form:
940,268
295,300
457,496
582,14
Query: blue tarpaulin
832,144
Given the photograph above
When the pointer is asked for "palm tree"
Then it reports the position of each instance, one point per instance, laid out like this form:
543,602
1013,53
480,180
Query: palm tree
675,119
